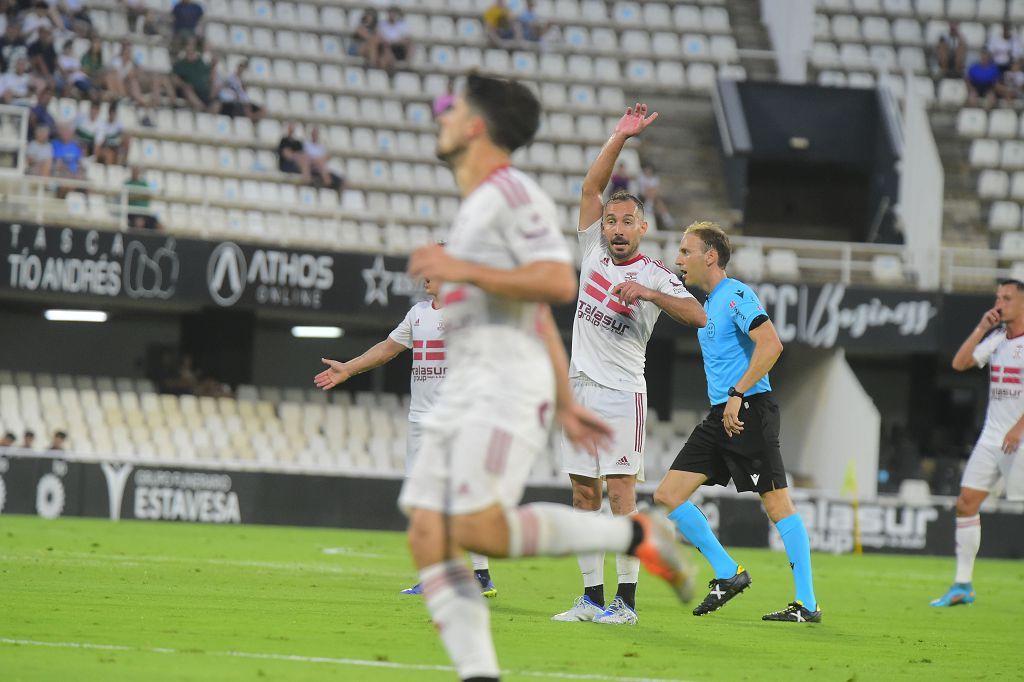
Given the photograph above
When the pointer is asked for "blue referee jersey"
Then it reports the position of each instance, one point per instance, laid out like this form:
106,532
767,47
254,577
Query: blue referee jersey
724,342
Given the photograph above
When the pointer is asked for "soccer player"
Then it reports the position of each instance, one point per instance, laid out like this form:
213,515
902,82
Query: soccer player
622,293
422,330
997,341
739,439
507,381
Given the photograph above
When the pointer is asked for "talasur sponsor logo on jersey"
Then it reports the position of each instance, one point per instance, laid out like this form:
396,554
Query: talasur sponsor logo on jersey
281,278
830,525
432,350
1005,382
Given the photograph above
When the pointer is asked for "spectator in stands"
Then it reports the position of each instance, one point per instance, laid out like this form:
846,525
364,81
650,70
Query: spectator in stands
233,98
16,87
57,442
141,218
68,158
89,128
396,40
39,153
193,78
291,157
187,24
982,78
951,51
445,100
113,147
620,180
317,156
40,113
498,24
43,55
74,16
366,41
127,79
1011,86
92,64
37,19
1005,48
28,439
69,72
140,19
529,24
648,187
12,47
8,440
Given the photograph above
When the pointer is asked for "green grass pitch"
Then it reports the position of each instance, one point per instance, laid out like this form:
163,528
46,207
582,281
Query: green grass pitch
94,600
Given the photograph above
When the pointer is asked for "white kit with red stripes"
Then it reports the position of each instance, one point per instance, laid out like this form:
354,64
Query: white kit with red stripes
1005,358
422,330
609,339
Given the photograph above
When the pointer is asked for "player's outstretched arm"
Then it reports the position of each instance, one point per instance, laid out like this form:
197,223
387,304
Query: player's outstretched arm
767,349
964,358
584,428
683,310
541,281
633,122
340,372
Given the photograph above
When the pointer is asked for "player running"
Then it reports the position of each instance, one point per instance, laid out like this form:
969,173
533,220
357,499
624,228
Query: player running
997,341
507,380
739,439
422,330
622,292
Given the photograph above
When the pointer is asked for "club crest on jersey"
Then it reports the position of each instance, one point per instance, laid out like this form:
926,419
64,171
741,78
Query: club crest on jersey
631,276
606,260
1017,351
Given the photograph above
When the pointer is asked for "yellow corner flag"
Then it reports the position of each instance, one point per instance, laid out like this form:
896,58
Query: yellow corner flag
850,488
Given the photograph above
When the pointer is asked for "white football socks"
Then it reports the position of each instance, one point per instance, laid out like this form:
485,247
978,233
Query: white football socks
546,529
480,562
628,568
968,540
591,563
462,618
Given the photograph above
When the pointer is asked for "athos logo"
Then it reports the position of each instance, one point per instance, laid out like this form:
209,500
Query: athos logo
227,262
278,277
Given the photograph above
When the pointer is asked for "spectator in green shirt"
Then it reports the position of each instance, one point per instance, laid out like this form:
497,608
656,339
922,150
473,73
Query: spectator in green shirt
140,219
193,78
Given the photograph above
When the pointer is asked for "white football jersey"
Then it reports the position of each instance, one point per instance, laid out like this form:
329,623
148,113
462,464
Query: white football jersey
422,330
609,339
492,341
1005,357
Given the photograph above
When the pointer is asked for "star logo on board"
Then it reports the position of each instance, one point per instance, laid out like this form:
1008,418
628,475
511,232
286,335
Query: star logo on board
378,280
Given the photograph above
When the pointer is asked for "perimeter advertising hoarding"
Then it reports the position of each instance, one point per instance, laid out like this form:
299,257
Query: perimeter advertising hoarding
73,266
53,487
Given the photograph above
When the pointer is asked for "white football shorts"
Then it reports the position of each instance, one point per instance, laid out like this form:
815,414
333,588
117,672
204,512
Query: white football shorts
626,413
987,463
413,443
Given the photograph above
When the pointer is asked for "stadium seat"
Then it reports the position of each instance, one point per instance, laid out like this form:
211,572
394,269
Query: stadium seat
1017,186
1004,215
907,32
1011,244
876,30
846,28
687,18
1002,123
972,122
991,10
1012,155
993,184
962,9
984,154
952,92
783,264
898,8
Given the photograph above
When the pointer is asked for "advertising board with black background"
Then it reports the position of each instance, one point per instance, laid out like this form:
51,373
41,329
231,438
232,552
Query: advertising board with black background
73,266
54,487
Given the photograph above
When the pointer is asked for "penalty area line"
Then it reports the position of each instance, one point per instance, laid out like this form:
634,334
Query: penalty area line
353,662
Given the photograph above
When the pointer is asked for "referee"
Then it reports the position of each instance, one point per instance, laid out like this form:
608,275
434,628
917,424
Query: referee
739,439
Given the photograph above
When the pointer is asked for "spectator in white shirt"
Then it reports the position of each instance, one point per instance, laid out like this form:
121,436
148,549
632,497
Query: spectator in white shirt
16,87
39,153
38,17
396,38
1005,48
112,149
318,157
233,99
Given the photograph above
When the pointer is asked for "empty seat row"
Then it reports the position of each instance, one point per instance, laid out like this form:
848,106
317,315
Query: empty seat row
986,10
855,56
993,154
901,31
999,123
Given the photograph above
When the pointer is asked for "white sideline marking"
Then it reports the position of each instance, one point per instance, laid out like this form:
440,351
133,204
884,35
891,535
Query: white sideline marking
348,551
333,661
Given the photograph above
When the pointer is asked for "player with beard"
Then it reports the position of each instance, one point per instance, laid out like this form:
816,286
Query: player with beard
505,262
622,293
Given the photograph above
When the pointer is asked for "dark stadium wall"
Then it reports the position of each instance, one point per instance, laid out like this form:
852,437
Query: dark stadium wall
116,348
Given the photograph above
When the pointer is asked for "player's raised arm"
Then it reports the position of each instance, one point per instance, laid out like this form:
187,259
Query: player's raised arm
541,281
964,358
633,122
340,372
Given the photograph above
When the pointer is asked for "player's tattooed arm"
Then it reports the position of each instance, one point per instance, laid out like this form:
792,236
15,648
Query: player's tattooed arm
339,372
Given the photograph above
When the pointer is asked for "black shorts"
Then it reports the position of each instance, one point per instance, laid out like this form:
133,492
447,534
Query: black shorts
752,459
